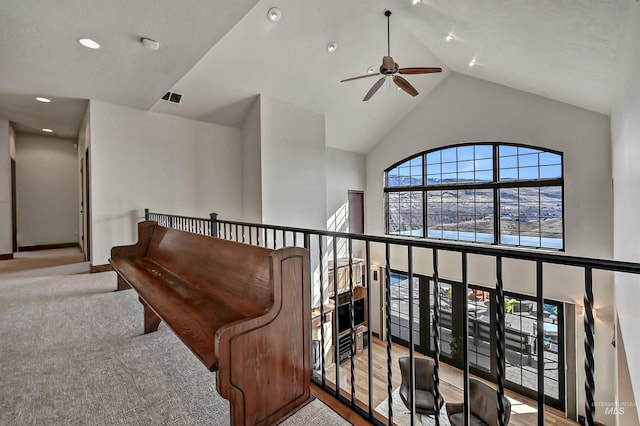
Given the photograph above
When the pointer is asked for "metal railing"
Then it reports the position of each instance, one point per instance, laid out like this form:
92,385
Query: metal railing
327,249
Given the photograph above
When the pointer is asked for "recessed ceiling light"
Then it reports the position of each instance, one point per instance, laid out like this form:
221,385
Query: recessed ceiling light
416,1
371,69
332,46
274,14
449,37
47,130
472,63
45,100
87,42
150,43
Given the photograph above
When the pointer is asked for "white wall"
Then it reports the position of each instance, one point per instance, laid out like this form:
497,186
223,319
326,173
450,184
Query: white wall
345,171
141,159
625,135
251,167
292,164
464,109
6,237
47,190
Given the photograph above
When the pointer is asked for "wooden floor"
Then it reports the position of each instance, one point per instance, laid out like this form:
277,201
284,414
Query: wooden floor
523,410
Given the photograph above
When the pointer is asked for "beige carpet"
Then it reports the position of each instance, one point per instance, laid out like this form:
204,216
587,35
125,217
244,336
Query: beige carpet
402,415
72,353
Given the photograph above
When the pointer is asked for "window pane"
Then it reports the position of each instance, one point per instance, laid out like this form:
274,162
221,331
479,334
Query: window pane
408,173
449,155
433,157
550,172
480,336
484,151
508,150
508,162
465,153
433,169
465,166
449,167
547,159
528,160
405,212
528,173
486,164
508,174
400,302
484,176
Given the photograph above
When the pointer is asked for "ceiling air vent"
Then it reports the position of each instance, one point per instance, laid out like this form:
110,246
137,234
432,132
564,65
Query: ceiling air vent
172,97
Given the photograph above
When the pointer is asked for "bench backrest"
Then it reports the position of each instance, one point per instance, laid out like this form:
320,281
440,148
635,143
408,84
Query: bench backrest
234,271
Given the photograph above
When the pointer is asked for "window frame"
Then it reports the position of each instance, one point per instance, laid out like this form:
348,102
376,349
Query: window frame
495,185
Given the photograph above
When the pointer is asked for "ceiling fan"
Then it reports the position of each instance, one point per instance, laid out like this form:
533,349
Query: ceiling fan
390,69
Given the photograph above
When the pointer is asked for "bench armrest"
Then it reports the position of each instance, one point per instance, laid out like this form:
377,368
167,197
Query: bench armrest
264,363
139,249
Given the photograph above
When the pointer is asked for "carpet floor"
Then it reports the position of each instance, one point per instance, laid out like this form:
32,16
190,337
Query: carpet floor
72,353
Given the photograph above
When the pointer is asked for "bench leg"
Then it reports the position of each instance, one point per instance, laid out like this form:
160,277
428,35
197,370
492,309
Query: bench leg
122,284
151,320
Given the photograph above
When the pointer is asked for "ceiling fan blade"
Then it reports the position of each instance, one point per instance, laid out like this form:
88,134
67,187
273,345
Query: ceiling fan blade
360,76
373,89
419,70
405,85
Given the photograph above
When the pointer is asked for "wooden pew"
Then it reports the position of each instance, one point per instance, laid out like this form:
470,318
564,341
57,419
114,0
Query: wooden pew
243,310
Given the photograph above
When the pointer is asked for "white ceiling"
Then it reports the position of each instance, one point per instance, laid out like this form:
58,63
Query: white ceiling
221,55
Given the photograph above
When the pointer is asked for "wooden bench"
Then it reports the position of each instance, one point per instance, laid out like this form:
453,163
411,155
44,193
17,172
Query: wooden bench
243,310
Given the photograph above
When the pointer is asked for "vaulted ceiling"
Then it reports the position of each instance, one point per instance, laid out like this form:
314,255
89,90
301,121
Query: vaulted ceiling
220,55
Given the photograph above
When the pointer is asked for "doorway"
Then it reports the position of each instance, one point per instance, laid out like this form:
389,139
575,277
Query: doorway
520,332
14,207
85,216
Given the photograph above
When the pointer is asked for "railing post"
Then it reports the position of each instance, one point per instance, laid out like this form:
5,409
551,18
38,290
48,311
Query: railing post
146,214
214,224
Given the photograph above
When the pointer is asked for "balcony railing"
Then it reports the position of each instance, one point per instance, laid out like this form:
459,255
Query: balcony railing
342,279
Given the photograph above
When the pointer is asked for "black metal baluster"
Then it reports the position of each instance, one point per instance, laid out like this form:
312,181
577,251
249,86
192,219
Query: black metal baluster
275,237
388,332
284,238
146,214
589,363
500,334
352,323
436,332
540,340
465,340
321,267
336,317
369,332
243,235
412,384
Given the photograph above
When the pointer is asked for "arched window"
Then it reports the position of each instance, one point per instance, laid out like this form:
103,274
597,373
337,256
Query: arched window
493,193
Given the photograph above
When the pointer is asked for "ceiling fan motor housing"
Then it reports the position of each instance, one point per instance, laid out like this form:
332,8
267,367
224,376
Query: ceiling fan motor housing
388,66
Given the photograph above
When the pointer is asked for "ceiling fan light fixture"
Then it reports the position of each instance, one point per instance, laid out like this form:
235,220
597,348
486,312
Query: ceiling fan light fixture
332,46
274,14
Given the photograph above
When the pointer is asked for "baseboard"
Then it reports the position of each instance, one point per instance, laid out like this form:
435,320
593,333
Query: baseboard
100,268
8,256
48,247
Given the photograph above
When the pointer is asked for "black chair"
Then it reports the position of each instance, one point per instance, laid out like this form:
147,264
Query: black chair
483,403
425,401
